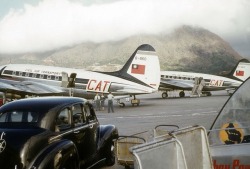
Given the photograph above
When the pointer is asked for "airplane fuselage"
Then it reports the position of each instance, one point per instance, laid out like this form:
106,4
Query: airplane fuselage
87,83
212,82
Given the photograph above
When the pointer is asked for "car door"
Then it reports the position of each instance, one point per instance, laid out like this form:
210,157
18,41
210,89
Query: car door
78,123
71,124
79,132
91,131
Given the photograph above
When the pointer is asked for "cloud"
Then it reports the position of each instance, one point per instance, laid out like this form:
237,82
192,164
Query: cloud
53,24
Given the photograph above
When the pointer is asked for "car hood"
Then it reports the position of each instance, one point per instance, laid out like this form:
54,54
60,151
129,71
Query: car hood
15,144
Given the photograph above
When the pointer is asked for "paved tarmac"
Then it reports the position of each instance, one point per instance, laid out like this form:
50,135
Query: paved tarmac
153,110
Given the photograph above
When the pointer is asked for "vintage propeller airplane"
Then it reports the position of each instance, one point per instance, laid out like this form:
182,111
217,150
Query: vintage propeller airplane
200,83
140,75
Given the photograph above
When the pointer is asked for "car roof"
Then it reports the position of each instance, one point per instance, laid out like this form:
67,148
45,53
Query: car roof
42,102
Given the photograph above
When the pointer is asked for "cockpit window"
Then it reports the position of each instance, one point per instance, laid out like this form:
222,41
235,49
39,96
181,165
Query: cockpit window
19,116
232,126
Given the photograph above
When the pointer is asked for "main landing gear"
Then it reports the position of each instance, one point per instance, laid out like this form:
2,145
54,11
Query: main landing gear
134,102
182,94
121,104
164,95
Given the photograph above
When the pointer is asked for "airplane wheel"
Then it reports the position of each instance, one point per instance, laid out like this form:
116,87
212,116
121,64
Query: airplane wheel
182,94
121,104
164,95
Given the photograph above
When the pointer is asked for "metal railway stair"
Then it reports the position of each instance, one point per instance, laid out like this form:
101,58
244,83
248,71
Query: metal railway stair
199,83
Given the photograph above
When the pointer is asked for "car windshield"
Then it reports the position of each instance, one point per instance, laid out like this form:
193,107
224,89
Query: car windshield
19,116
232,125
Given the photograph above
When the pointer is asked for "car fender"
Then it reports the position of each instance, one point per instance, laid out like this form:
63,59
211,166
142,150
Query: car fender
56,155
106,134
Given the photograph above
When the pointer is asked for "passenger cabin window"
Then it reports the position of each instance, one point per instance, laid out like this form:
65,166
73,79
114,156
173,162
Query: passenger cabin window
63,120
34,75
78,117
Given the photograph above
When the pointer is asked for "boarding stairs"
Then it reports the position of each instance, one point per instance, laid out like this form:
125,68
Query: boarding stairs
199,83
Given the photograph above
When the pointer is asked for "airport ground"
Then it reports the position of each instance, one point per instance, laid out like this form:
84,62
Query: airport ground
153,110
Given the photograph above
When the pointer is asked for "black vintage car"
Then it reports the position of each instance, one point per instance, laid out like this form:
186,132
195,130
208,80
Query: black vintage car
53,132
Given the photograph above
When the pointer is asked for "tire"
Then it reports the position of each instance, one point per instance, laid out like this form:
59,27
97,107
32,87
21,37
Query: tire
182,94
121,104
127,167
164,95
71,163
110,156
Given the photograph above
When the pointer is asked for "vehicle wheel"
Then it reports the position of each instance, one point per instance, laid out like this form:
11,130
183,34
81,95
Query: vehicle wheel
71,163
182,94
164,95
110,156
127,167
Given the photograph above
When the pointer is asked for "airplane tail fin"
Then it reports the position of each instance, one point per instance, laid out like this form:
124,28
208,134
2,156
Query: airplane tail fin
241,71
143,67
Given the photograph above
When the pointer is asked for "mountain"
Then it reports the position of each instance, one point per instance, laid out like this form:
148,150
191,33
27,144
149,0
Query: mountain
187,48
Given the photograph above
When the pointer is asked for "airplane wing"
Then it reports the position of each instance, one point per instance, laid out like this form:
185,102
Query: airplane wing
176,83
28,88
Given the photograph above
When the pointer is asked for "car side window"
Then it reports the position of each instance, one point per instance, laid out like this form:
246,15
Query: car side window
16,116
78,117
32,116
63,120
3,117
19,116
90,113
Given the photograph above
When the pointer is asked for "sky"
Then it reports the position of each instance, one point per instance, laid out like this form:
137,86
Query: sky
44,25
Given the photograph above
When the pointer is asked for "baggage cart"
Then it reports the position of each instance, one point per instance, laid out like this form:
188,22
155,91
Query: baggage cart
124,143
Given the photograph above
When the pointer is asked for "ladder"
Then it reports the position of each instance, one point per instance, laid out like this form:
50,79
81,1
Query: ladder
199,83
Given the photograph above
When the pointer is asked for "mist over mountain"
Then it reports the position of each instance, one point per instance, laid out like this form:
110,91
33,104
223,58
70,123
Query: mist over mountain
187,48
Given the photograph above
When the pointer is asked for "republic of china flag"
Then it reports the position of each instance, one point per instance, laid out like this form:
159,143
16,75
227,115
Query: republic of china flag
138,69
239,73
